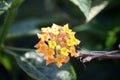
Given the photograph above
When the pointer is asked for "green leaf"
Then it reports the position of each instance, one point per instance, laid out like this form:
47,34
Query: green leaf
98,6
84,5
31,26
34,65
91,8
23,28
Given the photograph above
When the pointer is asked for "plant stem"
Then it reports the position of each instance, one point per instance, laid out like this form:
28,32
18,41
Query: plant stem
7,23
8,20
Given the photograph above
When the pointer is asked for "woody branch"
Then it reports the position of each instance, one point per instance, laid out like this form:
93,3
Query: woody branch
89,55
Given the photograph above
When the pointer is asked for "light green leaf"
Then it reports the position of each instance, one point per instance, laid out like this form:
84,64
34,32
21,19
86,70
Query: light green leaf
34,65
84,5
98,6
91,8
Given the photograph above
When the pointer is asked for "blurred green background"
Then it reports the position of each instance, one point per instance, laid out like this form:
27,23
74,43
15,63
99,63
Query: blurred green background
100,33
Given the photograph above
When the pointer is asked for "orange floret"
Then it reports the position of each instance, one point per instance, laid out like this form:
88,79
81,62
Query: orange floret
57,43
43,48
73,52
59,60
49,54
66,59
50,60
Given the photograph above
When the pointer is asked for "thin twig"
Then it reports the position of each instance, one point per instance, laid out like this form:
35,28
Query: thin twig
89,55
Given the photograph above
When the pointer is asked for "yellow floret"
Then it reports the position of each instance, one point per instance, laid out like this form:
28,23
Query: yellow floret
52,44
64,51
75,41
55,31
66,28
69,42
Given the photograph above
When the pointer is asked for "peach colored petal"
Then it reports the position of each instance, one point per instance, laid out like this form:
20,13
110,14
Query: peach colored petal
59,58
58,47
56,43
59,64
49,54
50,60
43,48
66,59
39,44
73,52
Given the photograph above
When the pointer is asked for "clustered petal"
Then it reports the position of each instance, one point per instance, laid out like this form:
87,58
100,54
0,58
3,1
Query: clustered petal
57,44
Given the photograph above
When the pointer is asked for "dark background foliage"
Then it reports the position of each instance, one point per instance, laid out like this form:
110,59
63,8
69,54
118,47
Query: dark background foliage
102,33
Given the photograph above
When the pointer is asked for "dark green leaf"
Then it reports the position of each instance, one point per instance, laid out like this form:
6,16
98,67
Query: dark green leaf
24,27
34,65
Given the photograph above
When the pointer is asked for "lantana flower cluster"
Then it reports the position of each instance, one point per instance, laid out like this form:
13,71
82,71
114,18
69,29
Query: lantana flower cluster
57,43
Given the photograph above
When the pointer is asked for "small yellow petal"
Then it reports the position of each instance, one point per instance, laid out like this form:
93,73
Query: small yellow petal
52,44
55,26
66,28
72,34
45,29
75,41
55,31
64,51
69,42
